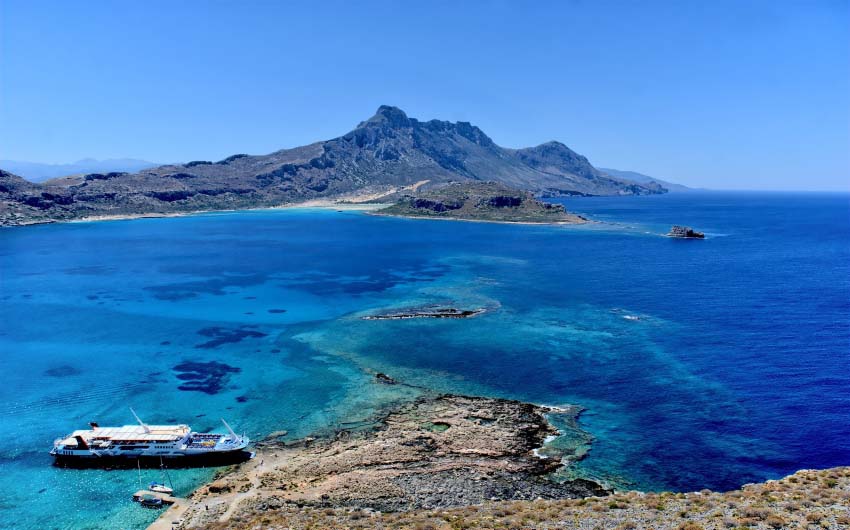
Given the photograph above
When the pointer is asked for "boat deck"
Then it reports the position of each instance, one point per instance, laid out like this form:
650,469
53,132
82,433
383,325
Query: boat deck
129,433
164,497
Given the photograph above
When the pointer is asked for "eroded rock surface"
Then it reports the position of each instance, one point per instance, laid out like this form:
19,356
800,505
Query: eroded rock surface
435,452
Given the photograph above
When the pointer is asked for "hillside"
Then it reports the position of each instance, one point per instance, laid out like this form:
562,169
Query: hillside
806,499
450,462
640,178
20,200
383,153
479,201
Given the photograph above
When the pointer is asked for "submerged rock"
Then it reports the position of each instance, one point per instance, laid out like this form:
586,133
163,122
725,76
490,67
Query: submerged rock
207,377
220,335
385,379
62,371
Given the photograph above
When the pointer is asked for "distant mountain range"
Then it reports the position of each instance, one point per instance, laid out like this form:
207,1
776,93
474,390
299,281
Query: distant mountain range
382,154
37,172
640,178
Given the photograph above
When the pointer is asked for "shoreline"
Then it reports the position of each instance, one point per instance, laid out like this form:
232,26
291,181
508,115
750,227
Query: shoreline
444,460
365,207
437,451
493,221
317,204
361,201
447,460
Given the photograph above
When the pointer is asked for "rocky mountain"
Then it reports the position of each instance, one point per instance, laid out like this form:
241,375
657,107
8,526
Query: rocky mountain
640,178
37,172
383,153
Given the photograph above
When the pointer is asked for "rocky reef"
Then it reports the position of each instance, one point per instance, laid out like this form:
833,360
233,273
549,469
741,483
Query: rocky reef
207,377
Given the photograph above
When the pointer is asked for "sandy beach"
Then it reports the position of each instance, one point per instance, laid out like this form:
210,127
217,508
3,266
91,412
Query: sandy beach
318,203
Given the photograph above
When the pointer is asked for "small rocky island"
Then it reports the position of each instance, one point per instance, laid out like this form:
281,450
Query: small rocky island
427,312
685,232
479,201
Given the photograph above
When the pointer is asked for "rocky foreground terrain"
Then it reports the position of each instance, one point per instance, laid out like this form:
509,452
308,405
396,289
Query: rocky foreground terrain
383,154
805,500
451,462
434,453
479,201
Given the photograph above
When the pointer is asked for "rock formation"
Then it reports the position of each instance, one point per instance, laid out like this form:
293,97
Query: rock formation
386,152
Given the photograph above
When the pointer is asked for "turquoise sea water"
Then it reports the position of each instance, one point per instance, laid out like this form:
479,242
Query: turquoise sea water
699,363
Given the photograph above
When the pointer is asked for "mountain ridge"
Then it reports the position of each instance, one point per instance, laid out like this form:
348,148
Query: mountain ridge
387,151
641,178
39,172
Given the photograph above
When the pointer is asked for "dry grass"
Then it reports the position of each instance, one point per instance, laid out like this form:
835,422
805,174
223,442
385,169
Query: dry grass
806,500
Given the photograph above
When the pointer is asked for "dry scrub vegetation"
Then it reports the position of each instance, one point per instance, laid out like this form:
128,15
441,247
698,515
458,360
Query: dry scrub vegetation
807,499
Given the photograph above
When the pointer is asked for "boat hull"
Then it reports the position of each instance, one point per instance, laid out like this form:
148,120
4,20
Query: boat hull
211,459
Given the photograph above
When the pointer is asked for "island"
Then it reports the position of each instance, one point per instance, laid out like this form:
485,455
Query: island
685,232
426,312
479,201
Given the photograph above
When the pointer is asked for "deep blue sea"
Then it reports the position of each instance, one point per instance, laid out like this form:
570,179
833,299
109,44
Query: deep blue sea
700,364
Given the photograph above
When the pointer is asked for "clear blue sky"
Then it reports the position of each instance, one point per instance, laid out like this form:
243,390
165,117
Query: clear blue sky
720,94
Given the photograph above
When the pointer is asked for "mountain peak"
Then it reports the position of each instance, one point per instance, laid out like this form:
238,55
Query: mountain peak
389,115
554,145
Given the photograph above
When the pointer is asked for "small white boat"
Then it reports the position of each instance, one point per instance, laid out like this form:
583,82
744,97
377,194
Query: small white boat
149,500
160,488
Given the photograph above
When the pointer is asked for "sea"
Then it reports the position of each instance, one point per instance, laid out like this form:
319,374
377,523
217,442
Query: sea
697,363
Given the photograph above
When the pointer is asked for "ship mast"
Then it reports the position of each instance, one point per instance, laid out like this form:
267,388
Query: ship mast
233,435
145,427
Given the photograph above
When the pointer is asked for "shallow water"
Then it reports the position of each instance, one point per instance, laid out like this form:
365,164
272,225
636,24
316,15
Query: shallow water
699,363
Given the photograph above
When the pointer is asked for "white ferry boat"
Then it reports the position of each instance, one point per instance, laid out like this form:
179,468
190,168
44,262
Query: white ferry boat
148,444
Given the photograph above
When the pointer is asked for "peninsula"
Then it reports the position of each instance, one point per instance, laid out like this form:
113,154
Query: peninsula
479,201
439,451
382,155
448,461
